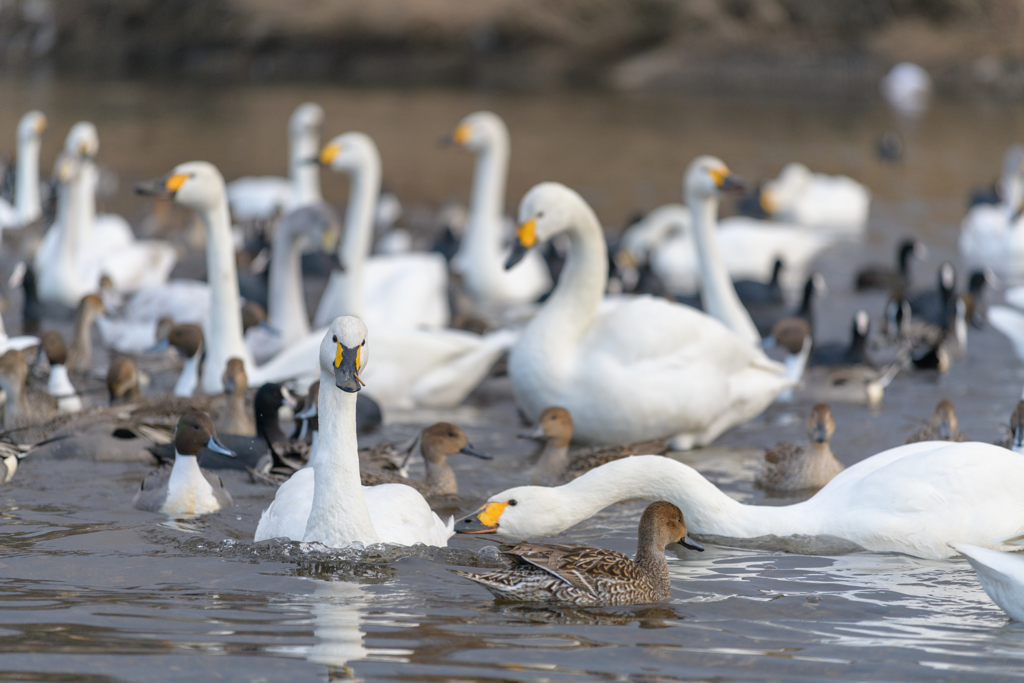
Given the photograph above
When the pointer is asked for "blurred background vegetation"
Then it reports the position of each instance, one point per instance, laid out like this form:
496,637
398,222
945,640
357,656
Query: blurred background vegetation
762,46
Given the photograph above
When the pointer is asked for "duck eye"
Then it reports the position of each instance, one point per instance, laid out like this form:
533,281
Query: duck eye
513,502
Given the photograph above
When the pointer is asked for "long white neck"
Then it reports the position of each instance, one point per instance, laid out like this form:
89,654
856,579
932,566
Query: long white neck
482,241
223,331
67,222
705,508
26,200
188,380
717,291
85,203
305,176
286,303
339,515
355,246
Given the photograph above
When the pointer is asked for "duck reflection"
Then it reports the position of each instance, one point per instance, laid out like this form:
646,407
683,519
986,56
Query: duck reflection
655,616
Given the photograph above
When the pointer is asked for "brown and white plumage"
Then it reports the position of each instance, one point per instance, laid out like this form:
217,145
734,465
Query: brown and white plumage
557,464
1014,439
237,418
941,427
584,575
24,406
792,467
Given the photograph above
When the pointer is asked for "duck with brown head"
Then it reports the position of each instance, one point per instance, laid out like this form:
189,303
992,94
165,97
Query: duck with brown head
584,575
123,380
794,467
1014,440
23,407
237,419
941,427
80,353
185,488
59,384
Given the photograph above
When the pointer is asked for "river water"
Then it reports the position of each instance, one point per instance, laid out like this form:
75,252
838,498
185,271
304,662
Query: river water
94,590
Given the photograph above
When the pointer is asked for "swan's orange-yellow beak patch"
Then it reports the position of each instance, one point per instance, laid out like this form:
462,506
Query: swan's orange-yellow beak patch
328,153
175,182
462,134
483,521
719,174
339,355
40,125
527,233
767,201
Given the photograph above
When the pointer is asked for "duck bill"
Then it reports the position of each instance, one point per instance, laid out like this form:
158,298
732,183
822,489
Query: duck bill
1018,438
307,412
688,542
537,434
217,447
287,399
159,346
483,521
469,450
820,433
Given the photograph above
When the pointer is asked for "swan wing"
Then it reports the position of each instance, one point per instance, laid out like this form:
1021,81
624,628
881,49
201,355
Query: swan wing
252,197
402,516
406,290
1000,574
1010,322
184,301
287,514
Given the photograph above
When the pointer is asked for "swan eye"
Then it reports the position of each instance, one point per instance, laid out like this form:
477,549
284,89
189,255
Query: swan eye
364,343
513,502
335,339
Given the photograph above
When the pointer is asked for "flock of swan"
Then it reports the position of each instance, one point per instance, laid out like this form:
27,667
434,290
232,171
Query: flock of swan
600,349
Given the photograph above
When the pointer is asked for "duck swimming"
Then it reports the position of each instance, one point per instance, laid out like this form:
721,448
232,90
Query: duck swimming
584,575
24,406
686,375
898,280
793,467
914,499
236,418
185,488
1014,439
326,503
941,427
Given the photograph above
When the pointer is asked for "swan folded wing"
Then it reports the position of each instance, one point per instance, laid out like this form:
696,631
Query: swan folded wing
184,301
287,514
935,495
406,290
578,566
402,516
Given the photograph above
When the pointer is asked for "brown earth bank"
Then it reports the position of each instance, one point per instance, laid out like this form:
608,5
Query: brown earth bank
713,46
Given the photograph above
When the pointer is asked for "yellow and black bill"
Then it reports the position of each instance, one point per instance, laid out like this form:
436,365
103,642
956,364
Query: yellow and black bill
346,367
483,521
526,238
165,187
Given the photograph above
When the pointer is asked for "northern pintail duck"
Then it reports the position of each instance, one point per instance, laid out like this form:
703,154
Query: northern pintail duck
80,353
123,380
793,467
1014,439
584,575
24,406
557,464
437,443
934,306
881,277
941,427
58,384
188,341
236,419
185,488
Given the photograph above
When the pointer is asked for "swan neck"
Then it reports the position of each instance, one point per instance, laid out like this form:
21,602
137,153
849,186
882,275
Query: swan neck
339,515
224,338
305,175
487,202
26,200
85,203
717,291
286,305
355,246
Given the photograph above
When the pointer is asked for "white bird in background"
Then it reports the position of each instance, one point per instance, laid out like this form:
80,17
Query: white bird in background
260,197
27,207
907,88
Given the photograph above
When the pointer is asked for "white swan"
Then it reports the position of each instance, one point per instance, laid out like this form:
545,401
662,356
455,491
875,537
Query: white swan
386,290
915,499
261,197
906,88
991,234
27,207
80,246
836,204
1001,574
749,248
482,254
326,503
643,367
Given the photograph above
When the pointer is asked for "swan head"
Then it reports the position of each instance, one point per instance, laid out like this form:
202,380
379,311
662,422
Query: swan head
31,126
343,353
545,211
518,513
478,131
307,118
83,139
709,177
349,152
782,192
195,184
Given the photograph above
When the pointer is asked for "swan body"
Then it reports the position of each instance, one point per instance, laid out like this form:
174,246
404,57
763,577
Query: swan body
1010,322
27,206
906,88
989,234
326,503
259,198
642,368
481,255
749,248
394,290
80,247
836,204
915,499
1001,575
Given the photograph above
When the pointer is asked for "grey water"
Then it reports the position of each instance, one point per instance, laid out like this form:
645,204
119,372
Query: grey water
91,589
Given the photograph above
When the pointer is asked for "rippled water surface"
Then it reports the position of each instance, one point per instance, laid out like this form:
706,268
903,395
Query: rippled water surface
94,590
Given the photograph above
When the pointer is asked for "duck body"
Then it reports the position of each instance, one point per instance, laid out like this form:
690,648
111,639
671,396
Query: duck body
794,467
326,503
1001,574
628,370
914,499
